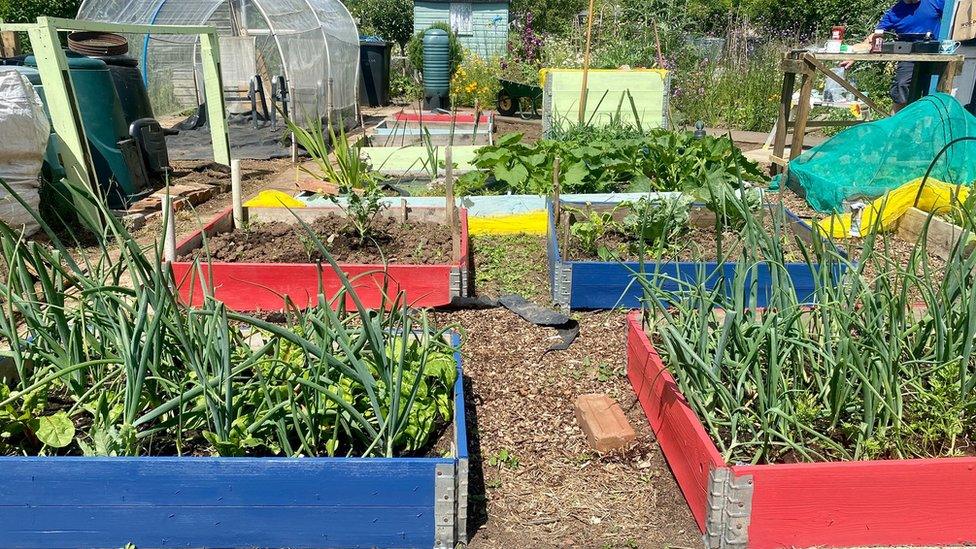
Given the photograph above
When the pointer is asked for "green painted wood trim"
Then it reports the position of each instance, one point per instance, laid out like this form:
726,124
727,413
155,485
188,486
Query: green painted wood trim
52,64
214,92
97,26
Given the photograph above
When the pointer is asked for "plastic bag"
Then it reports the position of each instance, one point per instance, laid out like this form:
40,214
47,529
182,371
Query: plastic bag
25,130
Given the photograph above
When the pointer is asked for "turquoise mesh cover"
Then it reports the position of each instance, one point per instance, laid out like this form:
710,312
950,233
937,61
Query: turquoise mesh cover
868,159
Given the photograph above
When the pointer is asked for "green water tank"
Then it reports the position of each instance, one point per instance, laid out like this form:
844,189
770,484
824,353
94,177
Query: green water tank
437,69
118,162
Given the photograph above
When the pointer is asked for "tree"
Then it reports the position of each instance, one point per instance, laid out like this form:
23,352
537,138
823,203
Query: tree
390,19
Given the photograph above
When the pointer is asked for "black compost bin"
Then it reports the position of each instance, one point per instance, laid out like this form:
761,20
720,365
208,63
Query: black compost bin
374,71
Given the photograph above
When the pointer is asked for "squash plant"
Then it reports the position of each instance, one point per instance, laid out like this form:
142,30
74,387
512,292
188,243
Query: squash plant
660,160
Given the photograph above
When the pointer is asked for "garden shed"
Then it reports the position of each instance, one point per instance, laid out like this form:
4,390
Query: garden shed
314,44
481,25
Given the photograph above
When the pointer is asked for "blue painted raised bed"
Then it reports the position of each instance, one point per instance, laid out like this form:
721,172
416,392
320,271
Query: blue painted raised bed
609,285
48,502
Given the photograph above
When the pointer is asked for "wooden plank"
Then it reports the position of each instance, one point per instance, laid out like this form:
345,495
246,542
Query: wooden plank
213,90
941,235
877,503
217,502
98,26
61,103
690,452
886,57
9,44
802,113
261,286
843,83
783,122
794,66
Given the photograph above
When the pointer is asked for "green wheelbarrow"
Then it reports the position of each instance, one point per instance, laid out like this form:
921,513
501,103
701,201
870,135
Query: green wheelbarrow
516,97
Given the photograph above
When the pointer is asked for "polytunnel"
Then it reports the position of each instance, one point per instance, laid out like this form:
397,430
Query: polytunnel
314,44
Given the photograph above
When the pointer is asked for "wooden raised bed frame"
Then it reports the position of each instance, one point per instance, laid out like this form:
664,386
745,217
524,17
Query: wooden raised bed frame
260,286
608,284
54,502
832,504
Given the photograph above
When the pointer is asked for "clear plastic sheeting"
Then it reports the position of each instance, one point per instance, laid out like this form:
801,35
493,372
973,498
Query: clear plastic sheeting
314,44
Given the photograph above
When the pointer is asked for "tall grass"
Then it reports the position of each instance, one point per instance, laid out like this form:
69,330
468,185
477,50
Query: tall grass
880,367
109,362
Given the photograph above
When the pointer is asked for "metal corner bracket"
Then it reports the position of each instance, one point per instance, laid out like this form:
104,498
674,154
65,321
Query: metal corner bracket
729,509
445,506
562,284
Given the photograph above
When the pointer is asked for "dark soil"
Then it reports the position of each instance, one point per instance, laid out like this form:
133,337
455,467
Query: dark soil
278,242
694,244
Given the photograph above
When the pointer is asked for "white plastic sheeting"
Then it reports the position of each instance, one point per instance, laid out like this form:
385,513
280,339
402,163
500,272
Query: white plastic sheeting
25,130
313,43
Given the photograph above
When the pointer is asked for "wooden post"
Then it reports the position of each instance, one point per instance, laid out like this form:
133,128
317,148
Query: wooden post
235,192
213,89
169,221
556,206
783,123
586,62
566,222
9,44
294,115
802,114
449,207
403,210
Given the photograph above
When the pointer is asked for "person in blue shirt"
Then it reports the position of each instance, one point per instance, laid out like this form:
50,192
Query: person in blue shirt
910,20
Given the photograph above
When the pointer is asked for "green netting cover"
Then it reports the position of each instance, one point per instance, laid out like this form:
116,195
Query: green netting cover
868,159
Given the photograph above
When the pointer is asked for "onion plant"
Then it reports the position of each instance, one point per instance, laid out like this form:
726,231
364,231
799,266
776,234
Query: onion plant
109,362
881,366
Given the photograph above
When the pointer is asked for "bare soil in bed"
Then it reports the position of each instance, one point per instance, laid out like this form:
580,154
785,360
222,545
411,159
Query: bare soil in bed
692,245
277,242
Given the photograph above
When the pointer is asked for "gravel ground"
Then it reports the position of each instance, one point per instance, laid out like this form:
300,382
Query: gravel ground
534,481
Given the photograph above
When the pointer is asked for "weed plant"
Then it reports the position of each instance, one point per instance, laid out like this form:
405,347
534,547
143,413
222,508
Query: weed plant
359,190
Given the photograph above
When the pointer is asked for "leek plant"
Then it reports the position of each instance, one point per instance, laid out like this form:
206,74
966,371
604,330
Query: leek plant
109,362
881,366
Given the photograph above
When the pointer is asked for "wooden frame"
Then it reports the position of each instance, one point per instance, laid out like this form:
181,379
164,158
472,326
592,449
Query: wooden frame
53,502
611,284
807,65
52,64
261,286
834,504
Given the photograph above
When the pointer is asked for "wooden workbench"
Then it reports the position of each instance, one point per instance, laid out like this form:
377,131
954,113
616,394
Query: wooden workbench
806,65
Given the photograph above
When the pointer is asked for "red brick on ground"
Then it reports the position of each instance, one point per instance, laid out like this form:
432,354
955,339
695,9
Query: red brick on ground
603,422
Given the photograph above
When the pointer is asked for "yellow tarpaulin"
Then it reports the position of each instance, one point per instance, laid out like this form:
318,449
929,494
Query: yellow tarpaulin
274,199
527,223
937,197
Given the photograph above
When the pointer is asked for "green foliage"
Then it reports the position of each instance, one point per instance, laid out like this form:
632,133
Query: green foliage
27,11
548,16
657,219
359,190
404,86
109,362
660,160
863,374
389,19
592,227
511,264
475,80
415,48
729,92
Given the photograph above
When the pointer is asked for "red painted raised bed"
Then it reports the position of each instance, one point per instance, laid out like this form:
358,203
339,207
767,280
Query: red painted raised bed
262,286
459,118
833,504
